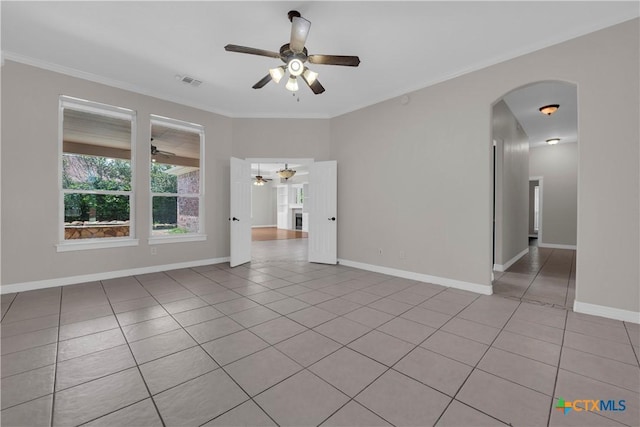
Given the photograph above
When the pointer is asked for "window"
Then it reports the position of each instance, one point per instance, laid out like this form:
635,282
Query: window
299,195
96,173
176,180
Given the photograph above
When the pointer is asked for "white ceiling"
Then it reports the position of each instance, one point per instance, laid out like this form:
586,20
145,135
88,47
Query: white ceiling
403,46
525,103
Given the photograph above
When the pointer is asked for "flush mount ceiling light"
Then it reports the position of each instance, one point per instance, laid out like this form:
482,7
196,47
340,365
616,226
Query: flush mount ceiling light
295,55
549,109
286,173
553,141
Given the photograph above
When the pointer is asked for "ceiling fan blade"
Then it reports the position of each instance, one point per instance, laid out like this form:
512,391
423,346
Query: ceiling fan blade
251,51
266,79
299,32
315,85
348,61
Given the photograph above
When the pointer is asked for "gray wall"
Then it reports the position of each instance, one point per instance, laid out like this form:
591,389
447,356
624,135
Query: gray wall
420,174
558,166
512,184
281,138
30,183
263,205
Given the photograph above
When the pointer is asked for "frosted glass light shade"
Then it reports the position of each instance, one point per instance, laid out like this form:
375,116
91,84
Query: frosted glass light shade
310,76
277,74
292,84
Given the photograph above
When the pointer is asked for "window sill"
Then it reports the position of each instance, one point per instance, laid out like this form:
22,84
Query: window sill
161,240
88,244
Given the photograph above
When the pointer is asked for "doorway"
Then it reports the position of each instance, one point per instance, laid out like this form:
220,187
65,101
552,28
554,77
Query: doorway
534,229
535,209
277,206
302,220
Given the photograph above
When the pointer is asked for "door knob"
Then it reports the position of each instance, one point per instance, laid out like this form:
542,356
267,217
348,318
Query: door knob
235,219
333,218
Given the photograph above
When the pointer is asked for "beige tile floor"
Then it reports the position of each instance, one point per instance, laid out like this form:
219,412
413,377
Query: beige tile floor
283,342
544,275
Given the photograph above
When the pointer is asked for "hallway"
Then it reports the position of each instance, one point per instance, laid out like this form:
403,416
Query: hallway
544,275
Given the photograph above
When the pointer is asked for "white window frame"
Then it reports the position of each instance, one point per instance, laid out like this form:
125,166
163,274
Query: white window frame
103,242
179,238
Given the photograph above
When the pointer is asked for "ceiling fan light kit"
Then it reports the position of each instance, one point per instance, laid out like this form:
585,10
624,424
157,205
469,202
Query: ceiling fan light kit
259,179
294,55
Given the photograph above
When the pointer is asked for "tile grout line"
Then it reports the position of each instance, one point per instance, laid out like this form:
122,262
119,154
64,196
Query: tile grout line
573,260
306,329
10,304
633,348
307,367
489,346
538,272
199,345
133,356
55,361
555,382
389,368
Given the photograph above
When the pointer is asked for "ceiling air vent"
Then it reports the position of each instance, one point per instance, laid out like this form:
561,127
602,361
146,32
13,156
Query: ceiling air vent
189,80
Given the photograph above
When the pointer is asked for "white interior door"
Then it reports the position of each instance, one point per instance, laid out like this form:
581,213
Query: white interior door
323,211
240,212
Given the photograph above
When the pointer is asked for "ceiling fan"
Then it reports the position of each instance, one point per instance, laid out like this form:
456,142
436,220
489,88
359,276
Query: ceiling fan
259,179
294,55
155,151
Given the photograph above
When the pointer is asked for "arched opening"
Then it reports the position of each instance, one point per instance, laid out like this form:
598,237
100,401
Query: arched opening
535,187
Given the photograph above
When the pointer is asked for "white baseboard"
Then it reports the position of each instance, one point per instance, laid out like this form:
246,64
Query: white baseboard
452,283
264,226
555,246
505,266
608,312
72,280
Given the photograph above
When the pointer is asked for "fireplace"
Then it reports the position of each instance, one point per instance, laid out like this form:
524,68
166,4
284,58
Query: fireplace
298,222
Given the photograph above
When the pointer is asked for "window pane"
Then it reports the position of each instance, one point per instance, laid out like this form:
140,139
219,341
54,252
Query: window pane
161,181
175,172
188,213
93,134
95,173
96,155
175,215
88,216
165,214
